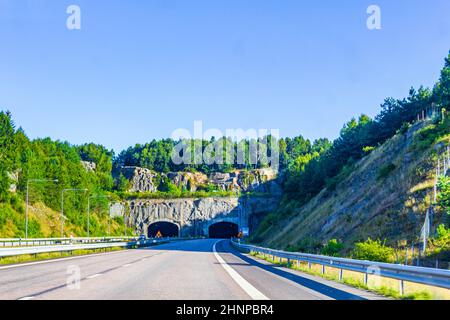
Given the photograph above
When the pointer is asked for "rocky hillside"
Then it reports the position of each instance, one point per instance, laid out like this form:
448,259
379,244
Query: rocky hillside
144,180
385,195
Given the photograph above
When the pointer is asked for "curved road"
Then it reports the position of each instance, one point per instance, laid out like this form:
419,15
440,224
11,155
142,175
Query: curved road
186,270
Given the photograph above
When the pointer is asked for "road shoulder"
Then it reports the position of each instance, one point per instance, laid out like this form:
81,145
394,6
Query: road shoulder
310,283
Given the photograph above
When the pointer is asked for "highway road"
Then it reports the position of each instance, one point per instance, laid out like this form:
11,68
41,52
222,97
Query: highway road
185,270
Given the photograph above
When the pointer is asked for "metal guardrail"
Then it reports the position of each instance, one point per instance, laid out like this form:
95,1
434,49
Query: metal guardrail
19,242
11,252
18,251
427,276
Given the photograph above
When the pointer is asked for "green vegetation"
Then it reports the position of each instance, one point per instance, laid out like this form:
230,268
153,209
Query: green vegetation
157,155
309,166
360,136
331,189
23,160
441,242
352,279
431,134
372,250
332,248
444,194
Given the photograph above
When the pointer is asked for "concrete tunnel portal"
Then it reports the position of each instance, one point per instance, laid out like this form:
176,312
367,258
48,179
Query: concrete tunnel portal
163,229
223,230
218,230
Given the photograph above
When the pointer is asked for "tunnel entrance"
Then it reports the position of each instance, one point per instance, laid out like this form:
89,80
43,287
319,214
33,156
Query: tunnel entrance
223,230
164,229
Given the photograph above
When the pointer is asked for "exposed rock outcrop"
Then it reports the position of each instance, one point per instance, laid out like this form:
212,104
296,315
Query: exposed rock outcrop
188,180
89,166
14,178
259,180
194,216
365,203
141,180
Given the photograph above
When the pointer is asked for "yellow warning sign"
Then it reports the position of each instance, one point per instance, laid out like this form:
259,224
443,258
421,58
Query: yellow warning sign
159,234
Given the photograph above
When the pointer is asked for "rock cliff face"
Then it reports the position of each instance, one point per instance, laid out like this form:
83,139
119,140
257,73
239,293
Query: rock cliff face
141,180
366,203
14,179
260,180
89,166
195,216
188,180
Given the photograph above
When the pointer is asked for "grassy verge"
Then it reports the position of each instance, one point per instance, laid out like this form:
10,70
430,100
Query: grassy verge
53,255
383,286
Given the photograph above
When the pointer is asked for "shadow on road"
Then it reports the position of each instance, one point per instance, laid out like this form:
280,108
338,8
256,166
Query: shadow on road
224,247
324,289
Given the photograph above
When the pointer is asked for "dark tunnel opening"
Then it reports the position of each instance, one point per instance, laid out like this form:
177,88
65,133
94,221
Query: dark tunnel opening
163,229
223,230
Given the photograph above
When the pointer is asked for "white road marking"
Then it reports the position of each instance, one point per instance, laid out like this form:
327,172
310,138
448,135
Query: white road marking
94,276
254,293
126,265
26,298
60,259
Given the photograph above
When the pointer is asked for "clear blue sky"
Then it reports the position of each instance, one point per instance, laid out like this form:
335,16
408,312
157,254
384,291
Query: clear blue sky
138,70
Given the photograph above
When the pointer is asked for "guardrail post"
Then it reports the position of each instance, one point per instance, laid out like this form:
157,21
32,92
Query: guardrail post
323,269
366,278
289,263
298,264
309,265
401,287
341,275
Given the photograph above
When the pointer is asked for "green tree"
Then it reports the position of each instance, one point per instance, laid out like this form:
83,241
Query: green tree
444,193
373,250
7,141
332,248
442,88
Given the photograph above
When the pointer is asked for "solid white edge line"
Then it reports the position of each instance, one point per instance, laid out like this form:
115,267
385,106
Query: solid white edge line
60,259
254,293
26,298
94,276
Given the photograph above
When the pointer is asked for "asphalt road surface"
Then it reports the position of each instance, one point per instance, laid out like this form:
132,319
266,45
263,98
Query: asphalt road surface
186,270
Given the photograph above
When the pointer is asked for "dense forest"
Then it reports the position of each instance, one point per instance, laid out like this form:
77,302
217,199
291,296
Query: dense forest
311,166
360,136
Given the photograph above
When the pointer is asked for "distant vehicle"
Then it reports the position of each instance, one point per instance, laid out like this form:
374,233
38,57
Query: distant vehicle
142,237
